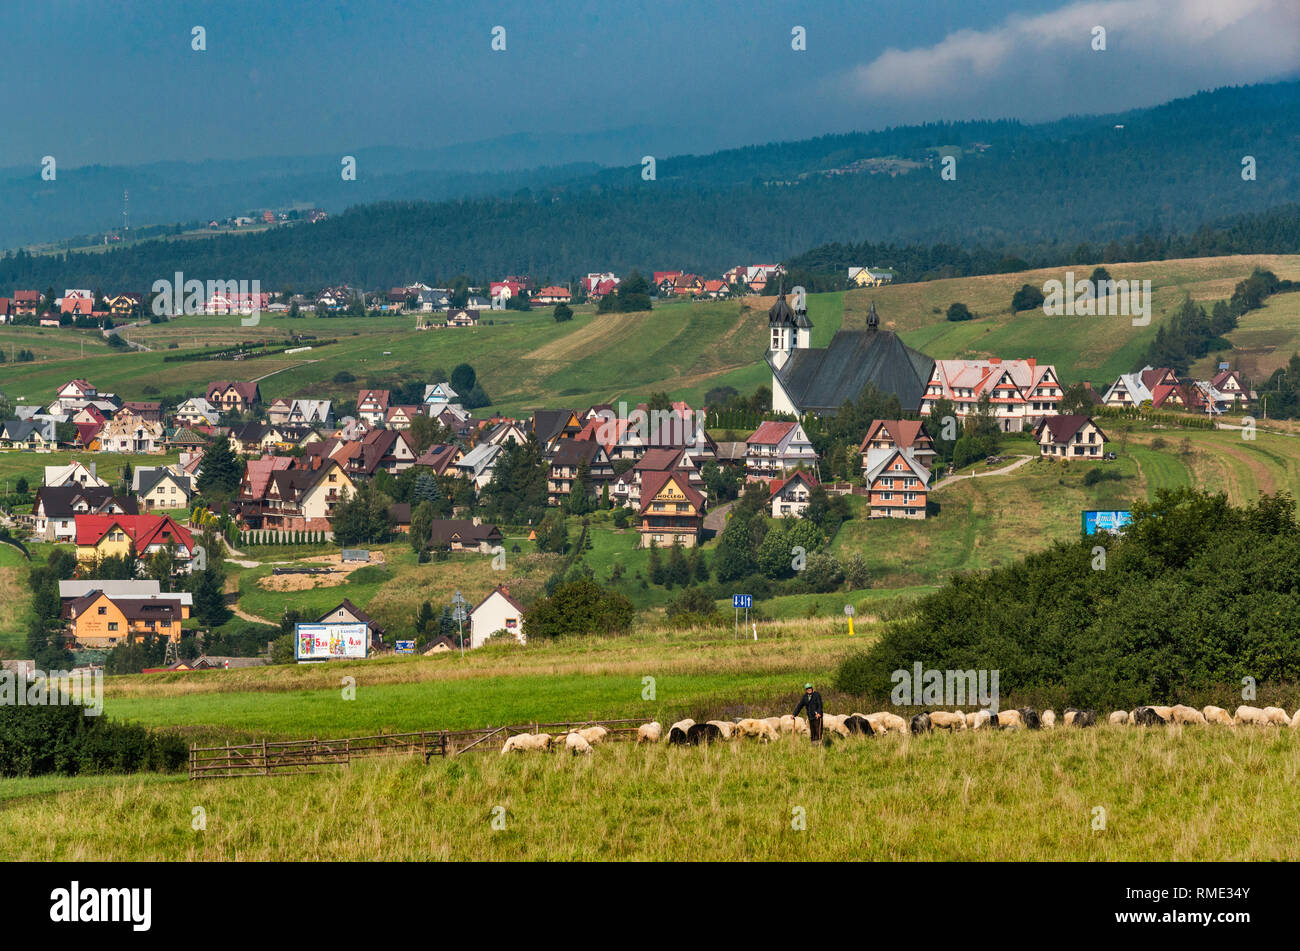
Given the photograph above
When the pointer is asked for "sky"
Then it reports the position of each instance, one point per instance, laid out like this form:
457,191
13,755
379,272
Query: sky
117,81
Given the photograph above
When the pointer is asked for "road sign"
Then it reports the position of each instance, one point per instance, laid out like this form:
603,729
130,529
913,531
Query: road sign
406,647
848,610
742,600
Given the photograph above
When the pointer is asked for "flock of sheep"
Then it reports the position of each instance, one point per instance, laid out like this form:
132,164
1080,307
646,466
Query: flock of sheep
689,733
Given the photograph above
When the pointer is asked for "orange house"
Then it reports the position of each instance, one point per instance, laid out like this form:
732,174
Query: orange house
96,620
671,510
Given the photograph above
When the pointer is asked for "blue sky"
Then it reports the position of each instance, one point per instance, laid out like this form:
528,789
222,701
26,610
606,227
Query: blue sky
118,83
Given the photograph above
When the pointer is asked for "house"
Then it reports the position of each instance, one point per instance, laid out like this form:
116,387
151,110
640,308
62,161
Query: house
716,290
1232,387
820,380
233,396
508,432
870,277
906,434
898,483
462,317
301,412
372,406
97,619
72,395
1020,392
26,303
755,277
437,395
387,449
598,285
6,310
664,280
197,411
161,488
626,489
479,464
77,306
56,508
671,510
566,462
439,458
776,448
345,612
553,294
400,417
792,496
74,473
124,305
497,612
148,410
461,534
550,427
37,434
255,438
1070,437
292,498
101,536
127,432
1135,389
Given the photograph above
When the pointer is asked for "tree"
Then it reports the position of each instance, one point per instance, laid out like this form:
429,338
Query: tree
1028,297
21,486
363,517
959,311
580,607
422,519
563,312
222,470
1077,400
209,596
463,379
655,566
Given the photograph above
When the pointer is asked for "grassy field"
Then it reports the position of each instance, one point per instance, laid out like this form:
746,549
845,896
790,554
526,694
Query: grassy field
1083,348
1175,794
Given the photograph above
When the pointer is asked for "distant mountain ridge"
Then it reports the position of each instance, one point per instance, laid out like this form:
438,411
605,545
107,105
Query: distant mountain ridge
1169,169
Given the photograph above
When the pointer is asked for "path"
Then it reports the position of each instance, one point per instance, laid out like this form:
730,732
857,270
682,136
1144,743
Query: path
715,520
282,369
979,475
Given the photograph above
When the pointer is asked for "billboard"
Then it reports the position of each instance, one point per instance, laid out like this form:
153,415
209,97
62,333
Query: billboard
1094,522
329,641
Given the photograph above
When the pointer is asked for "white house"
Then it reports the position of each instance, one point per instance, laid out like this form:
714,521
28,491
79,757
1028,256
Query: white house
497,612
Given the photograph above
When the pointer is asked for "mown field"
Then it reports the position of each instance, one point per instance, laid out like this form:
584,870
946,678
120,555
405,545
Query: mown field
523,360
1084,348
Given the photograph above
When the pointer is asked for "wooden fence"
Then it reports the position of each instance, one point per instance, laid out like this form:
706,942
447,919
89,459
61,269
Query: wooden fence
310,756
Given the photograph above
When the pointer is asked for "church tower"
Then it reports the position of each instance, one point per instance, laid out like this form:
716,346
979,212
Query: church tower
802,325
781,331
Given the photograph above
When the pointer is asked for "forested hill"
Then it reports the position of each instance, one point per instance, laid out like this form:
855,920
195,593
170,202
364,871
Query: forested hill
1019,189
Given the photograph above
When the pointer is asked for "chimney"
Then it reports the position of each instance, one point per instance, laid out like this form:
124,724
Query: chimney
92,468
1032,361
477,521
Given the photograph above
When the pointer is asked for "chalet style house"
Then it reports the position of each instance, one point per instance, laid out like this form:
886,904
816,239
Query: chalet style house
791,497
671,510
372,406
908,435
1020,391
777,448
233,396
56,508
1070,437
897,483
569,457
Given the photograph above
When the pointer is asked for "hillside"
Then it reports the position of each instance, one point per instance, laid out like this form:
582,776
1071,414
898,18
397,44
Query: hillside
1170,168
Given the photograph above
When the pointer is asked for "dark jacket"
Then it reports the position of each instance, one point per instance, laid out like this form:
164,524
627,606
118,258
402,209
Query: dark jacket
813,702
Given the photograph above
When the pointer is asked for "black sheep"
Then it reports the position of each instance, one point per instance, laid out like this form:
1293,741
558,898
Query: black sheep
921,723
703,733
862,725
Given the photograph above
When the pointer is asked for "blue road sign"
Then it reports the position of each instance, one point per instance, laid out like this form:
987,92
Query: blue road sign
406,647
742,600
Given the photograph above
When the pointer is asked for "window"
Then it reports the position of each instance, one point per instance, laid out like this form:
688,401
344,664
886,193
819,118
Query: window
112,625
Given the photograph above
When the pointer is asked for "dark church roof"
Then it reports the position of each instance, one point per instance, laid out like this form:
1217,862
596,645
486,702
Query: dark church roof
821,380
780,314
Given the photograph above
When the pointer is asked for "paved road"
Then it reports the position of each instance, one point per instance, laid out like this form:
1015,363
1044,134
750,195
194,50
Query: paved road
715,520
979,475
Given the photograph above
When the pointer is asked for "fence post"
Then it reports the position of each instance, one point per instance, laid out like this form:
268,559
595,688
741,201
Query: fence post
266,764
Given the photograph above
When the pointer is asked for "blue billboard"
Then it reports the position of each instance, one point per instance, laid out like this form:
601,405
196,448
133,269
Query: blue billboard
1094,522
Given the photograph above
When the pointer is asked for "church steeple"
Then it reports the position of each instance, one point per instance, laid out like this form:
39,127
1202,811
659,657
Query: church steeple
781,330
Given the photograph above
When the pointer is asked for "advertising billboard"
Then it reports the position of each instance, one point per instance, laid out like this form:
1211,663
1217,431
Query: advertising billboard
1094,522
329,641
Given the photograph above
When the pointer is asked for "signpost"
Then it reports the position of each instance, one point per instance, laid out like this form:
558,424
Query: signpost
458,612
406,647
745,601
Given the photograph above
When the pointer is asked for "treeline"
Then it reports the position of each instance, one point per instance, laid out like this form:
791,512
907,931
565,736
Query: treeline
36,740
1194,597
1166,172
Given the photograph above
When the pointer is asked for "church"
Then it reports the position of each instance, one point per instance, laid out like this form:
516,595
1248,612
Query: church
819,380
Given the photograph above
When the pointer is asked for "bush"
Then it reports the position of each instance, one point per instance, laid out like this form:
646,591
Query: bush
579,607
36,740
959,311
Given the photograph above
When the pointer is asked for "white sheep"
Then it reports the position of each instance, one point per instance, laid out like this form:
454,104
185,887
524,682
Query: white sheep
577,744
943,720
523,742
649,732
1048,719
1295,721
1185,714
887,722
758,728
834,722
1010,720
1252,716
1214,714
1276,716
1119,718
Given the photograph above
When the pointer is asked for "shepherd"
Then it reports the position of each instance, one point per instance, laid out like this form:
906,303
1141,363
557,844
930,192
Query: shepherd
812,701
